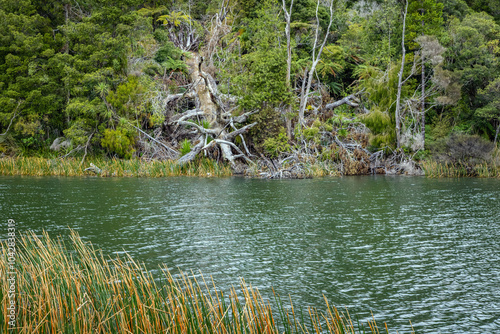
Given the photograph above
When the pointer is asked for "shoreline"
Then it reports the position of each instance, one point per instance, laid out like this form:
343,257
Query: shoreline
204,167
34,166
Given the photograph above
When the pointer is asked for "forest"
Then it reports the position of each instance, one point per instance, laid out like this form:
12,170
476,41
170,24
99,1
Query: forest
267,87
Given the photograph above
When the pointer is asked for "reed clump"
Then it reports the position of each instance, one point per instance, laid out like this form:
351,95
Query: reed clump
435,169
74,289
321,169
35,166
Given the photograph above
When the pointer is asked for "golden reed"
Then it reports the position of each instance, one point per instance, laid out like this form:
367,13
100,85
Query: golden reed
76,289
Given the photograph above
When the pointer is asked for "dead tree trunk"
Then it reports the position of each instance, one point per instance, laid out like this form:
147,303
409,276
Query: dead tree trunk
400,81
202,89
496,133
288,15
315,60
220,122
422,106
423,90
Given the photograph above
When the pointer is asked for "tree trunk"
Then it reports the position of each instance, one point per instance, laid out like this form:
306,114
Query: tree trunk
422,106
288,14
212,109
305,95
66,51
202,90
66,20
496,133
400,81
302,94
423,91
315,61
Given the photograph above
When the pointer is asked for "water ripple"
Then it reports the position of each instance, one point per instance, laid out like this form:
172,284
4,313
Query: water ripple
405,248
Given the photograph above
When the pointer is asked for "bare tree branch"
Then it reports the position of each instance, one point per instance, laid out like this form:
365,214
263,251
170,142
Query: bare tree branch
188,114
243,118
86,147
232,135
193,153
347,100
242,140
12,119
200,128
225,142
155,140
79,147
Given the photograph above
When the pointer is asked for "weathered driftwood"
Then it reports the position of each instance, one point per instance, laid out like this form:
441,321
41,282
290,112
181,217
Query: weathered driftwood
93,168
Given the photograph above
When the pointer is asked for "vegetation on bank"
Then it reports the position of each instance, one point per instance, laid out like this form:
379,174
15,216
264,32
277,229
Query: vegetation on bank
75,289
34,166
343,84
203,167
446,169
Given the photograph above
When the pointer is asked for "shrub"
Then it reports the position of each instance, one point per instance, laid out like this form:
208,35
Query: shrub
170,57
168,50
119,141
311,133
185,147
473,149
330,153
381,127
276,145
268,126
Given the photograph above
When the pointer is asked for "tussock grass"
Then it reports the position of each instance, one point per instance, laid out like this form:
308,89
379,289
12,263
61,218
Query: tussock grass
321,169
435,169
76,290
35,166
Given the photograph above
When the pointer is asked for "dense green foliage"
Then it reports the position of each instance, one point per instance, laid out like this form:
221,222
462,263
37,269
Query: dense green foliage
95,71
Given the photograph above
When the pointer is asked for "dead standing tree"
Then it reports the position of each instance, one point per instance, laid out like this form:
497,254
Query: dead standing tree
219,27
400,80
181,30
316,57
288,16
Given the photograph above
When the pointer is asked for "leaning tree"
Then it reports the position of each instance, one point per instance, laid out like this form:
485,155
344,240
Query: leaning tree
211,121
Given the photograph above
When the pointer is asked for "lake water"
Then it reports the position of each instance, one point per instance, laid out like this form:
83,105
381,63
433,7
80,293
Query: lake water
404,248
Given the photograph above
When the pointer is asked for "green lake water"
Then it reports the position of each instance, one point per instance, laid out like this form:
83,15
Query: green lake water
404,248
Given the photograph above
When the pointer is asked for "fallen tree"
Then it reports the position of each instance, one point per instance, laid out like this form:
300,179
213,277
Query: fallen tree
211,123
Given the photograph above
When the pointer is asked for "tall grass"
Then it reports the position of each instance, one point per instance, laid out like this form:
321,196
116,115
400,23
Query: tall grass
75,289
436,169
320,169
35,166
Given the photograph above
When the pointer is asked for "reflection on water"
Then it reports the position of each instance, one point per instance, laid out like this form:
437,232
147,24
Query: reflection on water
405,248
